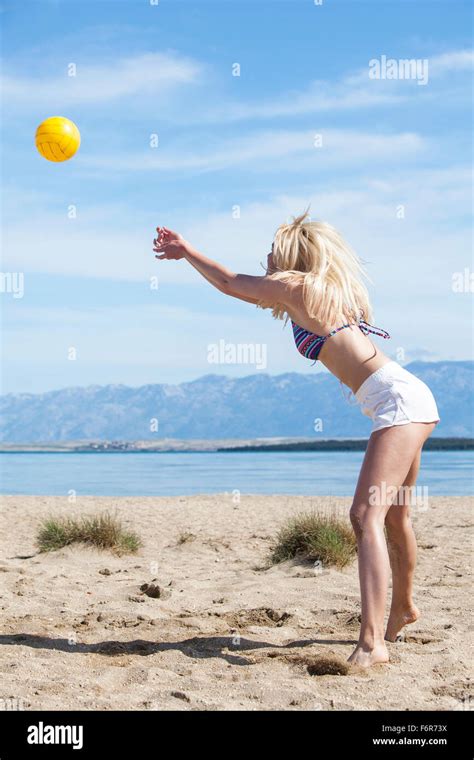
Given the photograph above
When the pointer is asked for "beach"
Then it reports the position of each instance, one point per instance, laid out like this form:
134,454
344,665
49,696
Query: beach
221,630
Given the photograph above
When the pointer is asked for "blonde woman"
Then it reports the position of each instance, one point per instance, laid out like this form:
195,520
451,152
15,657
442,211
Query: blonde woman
314,279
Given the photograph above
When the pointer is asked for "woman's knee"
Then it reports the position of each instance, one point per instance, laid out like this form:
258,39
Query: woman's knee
356,520
363,517
397,519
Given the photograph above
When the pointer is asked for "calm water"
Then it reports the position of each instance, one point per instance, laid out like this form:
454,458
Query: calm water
171,474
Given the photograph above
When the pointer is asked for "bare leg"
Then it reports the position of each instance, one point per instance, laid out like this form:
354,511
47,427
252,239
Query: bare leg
402,553
389,456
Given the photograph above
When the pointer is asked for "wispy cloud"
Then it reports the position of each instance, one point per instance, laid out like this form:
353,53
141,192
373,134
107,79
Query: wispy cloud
117,80
132,344
354,90
454,60
321,148
318,97
434,203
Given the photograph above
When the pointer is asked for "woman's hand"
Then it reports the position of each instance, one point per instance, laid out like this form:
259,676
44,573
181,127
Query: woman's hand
170,244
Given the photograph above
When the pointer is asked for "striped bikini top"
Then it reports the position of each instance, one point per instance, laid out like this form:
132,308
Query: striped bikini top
309,344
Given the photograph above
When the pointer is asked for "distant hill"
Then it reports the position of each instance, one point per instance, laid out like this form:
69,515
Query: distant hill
215,406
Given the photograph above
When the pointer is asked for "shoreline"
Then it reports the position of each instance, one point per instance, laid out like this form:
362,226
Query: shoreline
222,445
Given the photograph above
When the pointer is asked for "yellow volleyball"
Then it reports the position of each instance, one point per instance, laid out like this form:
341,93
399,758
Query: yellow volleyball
57,138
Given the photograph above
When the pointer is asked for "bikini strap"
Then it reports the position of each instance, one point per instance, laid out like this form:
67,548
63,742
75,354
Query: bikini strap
367,328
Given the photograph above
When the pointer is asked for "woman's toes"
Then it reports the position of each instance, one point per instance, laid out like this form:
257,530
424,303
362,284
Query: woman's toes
398,619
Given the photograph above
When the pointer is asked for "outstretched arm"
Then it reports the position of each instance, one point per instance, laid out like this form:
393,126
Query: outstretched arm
171,245
219,287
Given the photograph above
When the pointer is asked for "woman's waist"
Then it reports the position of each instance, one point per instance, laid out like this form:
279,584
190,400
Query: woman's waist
353,372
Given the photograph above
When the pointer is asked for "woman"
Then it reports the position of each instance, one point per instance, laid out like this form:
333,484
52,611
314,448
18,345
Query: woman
315,279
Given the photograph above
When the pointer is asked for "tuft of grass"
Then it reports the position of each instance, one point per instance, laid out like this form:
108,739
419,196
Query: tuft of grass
103,531
315,537
185,537
327,666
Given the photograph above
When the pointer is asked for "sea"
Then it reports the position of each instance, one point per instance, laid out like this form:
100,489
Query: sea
334,473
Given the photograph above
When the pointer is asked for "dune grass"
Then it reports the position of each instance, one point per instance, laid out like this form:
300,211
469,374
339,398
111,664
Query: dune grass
313,537
185,537
103,531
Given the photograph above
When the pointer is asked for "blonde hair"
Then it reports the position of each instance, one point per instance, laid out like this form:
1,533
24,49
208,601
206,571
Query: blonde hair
331,272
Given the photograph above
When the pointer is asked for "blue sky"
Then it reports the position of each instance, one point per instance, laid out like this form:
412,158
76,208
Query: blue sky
226,141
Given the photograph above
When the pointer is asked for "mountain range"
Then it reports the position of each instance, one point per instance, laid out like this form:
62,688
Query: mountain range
216,406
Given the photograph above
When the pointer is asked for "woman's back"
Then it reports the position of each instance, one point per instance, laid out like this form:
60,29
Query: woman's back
344,348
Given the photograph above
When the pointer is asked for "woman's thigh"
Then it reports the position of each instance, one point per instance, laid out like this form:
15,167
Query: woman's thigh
388,459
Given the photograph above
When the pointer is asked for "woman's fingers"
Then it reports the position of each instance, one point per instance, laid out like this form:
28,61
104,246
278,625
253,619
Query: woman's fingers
160,242
161,233
166,232
164,244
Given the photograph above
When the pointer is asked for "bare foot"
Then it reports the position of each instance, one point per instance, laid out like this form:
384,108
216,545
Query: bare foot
399,618
365,656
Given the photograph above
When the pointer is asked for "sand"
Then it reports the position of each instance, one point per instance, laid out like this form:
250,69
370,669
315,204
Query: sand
78,631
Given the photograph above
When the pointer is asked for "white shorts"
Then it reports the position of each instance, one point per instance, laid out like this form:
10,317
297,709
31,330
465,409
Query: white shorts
393,396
